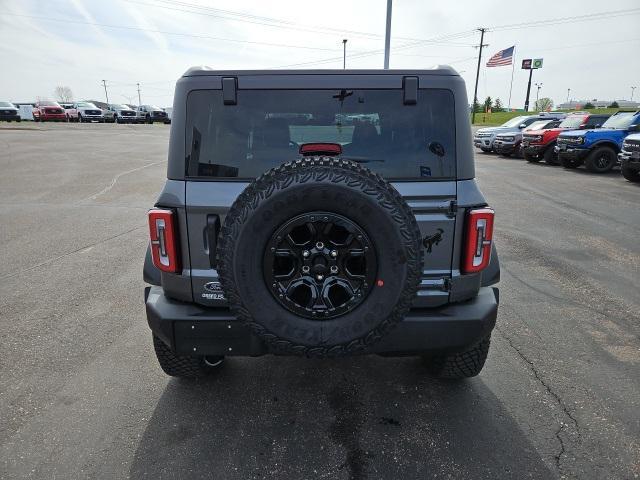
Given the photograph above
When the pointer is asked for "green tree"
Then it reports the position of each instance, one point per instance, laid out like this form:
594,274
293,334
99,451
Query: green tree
497,106
477,108
543,104
614,104
589,106
488,104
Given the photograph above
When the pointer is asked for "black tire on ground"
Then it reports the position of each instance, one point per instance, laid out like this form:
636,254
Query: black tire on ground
550,156
19,120
184,366
465,364
80,119
601,160
486,150
570,162
631,174
531,159
149,120
320,187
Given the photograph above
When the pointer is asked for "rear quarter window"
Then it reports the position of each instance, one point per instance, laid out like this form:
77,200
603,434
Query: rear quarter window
374,127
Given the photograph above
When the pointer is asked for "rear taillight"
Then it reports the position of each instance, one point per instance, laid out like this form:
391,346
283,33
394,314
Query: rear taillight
478,237
163,232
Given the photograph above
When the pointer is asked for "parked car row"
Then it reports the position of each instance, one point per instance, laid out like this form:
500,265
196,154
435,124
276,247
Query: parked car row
598,141
50,111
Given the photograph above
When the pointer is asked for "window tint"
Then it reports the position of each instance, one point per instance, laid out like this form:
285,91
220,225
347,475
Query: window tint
374,127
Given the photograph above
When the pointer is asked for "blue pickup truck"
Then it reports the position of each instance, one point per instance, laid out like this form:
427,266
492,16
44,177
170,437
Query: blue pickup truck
597,149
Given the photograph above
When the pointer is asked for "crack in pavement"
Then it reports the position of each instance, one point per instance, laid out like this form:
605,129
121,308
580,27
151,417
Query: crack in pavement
564,299
558,399
115,179
51,260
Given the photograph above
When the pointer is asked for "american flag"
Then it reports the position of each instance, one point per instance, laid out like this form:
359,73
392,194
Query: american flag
502,58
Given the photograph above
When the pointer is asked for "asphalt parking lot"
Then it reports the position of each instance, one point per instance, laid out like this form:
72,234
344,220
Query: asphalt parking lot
82,396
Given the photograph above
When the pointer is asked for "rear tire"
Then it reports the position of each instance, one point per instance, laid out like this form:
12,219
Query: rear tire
184,366
631,174
601,160
465,364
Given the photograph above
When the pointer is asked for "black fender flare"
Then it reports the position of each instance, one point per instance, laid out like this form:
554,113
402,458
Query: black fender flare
150,272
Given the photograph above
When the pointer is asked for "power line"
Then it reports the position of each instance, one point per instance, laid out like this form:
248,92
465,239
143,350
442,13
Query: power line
123,27
378,51
562,20
264,21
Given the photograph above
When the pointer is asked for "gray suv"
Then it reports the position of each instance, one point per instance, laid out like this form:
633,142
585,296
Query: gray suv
321,213
484,138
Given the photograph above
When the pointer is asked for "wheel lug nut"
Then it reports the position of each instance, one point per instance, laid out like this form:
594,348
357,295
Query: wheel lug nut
305,253
319,245
334,269
334,253
305,269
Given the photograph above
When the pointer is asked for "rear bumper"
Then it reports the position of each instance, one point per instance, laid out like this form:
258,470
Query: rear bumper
189,329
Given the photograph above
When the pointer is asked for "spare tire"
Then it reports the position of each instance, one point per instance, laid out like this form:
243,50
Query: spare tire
320,257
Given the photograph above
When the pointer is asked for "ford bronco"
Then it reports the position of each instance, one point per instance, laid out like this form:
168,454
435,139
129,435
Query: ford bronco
321,213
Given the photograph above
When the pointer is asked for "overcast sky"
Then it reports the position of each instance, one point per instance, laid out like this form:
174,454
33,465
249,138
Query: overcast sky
45,43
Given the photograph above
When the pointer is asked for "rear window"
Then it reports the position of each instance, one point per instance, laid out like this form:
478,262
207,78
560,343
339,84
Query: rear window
374,127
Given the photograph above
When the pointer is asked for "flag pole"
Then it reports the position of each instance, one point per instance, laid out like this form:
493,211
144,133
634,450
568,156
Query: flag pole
513,67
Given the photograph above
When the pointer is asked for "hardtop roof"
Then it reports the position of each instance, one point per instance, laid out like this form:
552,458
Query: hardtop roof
208,71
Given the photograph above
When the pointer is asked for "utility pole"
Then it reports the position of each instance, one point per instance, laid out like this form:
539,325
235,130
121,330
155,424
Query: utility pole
539,86
632,90
344,53
387,36
475,91
104,83
526,102
139,101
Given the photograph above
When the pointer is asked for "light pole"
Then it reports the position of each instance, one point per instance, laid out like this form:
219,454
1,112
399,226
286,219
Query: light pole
387,36
632,90
104,83
344,53
568,93
139,101
539,86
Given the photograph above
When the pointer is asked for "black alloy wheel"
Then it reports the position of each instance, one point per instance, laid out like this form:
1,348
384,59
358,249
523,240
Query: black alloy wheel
320,265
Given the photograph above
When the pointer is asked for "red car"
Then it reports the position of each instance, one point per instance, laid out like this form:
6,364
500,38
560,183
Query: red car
538,144
48,111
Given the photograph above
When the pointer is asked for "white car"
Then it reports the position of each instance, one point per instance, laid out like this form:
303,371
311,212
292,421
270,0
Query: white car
120,113
85,112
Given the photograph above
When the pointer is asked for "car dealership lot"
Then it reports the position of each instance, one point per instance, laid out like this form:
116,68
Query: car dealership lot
82,394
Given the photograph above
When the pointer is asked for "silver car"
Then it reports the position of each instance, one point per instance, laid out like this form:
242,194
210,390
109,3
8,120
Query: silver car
484,137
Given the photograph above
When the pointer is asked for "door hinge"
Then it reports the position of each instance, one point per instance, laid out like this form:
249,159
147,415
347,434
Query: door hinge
453,209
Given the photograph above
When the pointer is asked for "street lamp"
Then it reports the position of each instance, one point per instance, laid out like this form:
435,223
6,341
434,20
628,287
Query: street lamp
568,93
539,85
344,53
